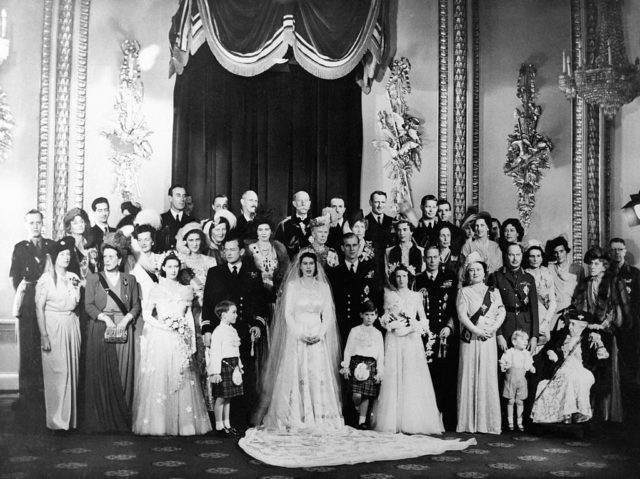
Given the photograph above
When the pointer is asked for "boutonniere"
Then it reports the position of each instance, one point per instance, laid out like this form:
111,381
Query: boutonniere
370,274
253,275
483,308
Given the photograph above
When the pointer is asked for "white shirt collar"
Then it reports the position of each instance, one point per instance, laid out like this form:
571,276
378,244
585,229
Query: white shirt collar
238,266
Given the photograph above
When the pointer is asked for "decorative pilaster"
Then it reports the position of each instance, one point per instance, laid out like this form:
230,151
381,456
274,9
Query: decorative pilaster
475,118
607,163
593,139
460,109
63,108
43,136
443,97
81,104
577,141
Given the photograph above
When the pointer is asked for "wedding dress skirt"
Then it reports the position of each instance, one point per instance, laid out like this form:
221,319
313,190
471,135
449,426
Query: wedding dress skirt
344,445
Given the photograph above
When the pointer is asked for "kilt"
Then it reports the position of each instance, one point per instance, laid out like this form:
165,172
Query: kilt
368,387
226,389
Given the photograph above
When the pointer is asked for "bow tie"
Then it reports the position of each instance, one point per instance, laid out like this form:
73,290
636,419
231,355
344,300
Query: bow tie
300,220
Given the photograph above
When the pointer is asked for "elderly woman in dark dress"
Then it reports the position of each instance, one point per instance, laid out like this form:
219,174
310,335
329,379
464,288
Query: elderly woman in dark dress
111,301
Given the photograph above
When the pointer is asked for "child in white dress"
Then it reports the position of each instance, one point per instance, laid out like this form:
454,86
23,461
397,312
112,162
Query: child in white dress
516,362
224,367
363,363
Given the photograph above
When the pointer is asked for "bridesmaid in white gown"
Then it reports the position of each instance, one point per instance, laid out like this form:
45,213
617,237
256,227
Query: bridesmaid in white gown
407,401
168,398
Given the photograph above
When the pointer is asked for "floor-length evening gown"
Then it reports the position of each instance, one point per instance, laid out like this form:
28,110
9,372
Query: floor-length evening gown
60,366
478,395
168,398
407,400
302,425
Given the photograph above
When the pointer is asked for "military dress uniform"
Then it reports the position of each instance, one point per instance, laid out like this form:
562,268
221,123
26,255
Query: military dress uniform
293,232
28,263
520,299
350,290
246,290
439,298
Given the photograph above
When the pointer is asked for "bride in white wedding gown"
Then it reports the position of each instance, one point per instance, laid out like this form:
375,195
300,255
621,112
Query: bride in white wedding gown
300,410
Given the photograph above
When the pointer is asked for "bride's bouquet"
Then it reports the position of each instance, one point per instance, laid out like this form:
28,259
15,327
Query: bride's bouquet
181,327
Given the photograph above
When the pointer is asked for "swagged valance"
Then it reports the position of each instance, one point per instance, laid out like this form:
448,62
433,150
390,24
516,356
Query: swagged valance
328,38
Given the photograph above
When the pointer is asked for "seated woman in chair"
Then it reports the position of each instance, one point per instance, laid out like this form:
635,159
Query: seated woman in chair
567,365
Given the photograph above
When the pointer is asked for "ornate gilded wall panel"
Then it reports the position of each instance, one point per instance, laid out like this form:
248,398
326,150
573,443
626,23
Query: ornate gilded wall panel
460,109
475,119
81,98
443,98
593,139
577,141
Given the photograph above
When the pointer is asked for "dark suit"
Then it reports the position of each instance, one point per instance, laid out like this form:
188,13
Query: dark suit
243,229
439,297
28,262
350,290
381,238
334,240
520,299
294,234
96,235
166,236
247,292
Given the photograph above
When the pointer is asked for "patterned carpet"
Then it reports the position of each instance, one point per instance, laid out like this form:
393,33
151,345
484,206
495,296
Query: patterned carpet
27,450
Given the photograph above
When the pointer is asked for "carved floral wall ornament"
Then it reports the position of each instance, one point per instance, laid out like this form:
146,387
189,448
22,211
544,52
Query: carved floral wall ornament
129,136
6,117
402,133
528,151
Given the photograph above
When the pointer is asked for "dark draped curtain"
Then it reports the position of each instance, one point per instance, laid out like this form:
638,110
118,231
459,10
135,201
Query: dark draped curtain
276,133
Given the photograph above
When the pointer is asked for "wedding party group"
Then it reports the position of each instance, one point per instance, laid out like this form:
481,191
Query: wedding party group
372,329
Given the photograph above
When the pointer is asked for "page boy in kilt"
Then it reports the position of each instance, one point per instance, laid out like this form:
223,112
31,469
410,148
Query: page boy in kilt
363,363
224,367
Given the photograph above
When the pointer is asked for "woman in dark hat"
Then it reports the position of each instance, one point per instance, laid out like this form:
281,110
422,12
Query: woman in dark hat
605,296
57,297
567,367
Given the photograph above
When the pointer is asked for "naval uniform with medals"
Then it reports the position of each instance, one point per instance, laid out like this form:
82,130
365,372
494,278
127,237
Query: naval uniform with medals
27,264
439,290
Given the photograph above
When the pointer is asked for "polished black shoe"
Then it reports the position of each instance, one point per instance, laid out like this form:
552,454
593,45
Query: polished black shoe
233,431
363,426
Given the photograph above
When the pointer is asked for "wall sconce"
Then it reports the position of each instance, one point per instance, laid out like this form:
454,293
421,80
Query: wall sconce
632,210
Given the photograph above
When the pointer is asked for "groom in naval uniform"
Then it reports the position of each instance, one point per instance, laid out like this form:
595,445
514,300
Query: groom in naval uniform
27,265
439,288
353,282
240,282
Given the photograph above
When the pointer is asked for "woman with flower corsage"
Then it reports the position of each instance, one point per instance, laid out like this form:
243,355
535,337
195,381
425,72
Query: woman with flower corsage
545,288
57,298
358,226
328,257
407,400
112,303
481,312
168,397
269,255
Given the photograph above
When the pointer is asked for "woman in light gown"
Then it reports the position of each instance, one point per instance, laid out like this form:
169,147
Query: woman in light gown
488,250
168,397
407,401
545,289
481,312
57,298
300,408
